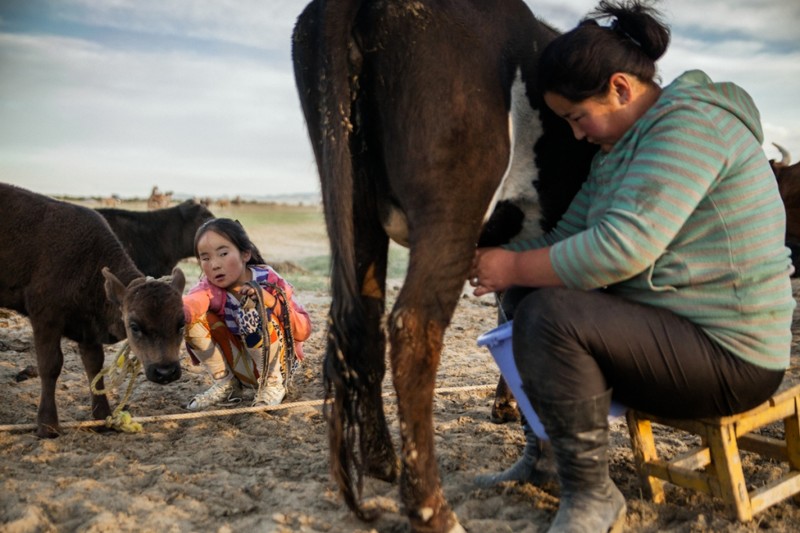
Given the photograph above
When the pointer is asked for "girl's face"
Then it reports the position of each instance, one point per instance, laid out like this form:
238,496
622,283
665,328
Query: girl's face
222,262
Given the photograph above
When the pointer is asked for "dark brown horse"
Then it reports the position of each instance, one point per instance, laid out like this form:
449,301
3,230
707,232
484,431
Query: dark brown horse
423,115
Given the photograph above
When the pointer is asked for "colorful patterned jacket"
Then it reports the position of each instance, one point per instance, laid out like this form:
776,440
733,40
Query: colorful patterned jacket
206,297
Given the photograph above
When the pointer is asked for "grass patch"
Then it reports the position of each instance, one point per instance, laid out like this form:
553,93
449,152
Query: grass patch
276,215
299,232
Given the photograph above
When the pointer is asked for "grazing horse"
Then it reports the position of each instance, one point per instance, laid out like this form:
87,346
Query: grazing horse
423,116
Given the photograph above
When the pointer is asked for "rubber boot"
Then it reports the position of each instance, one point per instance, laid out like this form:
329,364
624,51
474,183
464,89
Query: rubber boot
536,466
590,501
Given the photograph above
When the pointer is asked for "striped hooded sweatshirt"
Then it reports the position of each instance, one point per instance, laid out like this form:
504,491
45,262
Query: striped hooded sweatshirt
684,214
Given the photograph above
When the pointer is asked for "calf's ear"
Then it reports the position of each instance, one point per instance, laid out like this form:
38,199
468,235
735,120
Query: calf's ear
115,290
178,279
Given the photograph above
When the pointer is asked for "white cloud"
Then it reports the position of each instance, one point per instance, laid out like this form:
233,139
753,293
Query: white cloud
762,22
198,96
774,21
255,23
84,112
753,44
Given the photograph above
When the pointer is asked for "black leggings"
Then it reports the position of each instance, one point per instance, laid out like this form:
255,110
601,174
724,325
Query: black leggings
573,344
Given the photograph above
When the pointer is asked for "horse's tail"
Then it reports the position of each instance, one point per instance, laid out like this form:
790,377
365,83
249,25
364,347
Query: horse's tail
335,20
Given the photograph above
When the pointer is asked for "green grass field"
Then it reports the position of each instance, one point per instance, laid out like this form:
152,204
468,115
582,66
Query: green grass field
291,238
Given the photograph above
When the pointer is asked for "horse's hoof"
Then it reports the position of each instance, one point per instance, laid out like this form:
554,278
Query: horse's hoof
30,371
505,412
457,528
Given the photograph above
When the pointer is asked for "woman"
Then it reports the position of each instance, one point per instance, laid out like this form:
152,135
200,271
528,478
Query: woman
666,283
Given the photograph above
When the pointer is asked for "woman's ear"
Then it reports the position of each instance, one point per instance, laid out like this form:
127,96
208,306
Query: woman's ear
620,88
247,255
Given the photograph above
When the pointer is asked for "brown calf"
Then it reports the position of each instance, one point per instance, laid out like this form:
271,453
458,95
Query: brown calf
157,240
64,269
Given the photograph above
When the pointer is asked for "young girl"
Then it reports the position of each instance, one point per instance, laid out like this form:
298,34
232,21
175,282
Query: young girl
225,326
666,283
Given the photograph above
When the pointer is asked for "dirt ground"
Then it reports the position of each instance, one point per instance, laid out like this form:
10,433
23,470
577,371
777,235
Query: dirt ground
268,471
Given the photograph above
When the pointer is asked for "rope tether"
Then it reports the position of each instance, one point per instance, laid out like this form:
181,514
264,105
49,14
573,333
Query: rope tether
227,412
125,364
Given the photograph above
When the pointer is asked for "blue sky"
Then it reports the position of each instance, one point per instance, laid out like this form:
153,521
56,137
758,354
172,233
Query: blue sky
101,97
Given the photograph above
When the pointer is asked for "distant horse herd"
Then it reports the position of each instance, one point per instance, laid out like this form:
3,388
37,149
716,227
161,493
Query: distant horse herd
427,128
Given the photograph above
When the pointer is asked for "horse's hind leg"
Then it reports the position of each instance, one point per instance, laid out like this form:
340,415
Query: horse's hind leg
355,365
417,325
380,458
504,407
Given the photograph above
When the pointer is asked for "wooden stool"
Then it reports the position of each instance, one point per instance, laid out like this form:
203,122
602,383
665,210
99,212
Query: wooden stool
715,467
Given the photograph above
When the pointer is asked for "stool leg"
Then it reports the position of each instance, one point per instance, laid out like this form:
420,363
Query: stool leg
727,464
791,427
644,450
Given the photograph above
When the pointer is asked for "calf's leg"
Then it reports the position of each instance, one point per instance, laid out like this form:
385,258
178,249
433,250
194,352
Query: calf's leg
49,359
93,357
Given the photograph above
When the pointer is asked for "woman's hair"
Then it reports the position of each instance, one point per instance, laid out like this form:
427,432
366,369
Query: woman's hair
578,64
234,232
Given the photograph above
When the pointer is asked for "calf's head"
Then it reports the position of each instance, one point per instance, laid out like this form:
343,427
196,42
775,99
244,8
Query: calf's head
152,313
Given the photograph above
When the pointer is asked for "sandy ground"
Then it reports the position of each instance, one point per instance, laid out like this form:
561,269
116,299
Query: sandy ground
268,471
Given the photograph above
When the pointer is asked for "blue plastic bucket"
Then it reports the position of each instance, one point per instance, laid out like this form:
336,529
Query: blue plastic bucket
498,341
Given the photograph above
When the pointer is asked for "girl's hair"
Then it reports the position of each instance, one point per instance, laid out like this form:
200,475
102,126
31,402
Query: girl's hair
579,64
234,232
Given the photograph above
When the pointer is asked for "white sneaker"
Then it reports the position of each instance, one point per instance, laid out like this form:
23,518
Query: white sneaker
270,395
223,391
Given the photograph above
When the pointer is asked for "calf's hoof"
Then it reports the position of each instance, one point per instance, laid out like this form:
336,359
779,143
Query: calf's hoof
48,431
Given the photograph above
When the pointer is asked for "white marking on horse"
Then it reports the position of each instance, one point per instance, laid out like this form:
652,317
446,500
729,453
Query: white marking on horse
525,128
516,186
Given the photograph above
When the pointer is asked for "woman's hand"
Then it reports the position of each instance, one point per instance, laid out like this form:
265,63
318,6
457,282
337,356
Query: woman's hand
492,270
497,269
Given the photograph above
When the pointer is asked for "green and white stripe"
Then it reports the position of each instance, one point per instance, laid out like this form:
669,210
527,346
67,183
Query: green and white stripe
684,213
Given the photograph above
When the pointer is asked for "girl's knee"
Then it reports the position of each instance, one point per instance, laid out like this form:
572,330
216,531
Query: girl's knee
197,334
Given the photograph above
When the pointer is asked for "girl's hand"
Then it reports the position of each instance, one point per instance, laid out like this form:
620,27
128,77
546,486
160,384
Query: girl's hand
492,270
248,291
269,299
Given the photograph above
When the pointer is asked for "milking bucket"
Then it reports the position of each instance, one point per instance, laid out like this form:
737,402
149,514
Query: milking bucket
498,341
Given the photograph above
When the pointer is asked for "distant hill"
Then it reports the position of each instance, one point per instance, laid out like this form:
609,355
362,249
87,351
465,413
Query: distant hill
301,198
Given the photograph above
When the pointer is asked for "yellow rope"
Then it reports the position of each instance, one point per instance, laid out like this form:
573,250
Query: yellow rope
227,412
125,364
